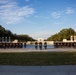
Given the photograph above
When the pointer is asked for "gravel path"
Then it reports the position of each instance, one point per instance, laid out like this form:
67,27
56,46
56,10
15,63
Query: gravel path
43,50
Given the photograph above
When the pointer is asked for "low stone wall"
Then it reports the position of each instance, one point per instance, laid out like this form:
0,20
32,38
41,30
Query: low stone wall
11,45
64,44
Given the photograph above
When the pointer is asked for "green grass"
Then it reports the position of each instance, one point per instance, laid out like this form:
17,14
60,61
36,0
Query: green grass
38,58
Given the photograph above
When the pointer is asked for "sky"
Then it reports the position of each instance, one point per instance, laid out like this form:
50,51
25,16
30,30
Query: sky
37,18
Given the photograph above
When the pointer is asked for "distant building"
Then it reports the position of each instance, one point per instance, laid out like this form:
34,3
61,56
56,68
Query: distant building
43,41
40,40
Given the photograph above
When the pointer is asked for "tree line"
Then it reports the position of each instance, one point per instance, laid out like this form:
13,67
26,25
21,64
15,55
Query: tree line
8,33
63,34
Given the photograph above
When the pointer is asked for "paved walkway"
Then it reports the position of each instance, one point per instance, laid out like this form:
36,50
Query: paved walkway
43,50
38,70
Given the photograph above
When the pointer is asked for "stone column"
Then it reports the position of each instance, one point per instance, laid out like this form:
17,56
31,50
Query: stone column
5,39
9,39
23,45
2,39
75,38
71,38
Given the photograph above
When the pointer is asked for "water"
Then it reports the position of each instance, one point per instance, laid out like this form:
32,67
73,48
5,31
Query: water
33,46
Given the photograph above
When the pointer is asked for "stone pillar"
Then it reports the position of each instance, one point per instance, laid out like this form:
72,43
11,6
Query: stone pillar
2,39
23,45
75,38
71,38
36,45
40,45
9,39
5,39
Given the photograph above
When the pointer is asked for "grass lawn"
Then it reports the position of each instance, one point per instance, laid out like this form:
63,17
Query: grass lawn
38,58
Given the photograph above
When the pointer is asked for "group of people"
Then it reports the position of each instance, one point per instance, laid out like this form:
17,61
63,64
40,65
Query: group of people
40,45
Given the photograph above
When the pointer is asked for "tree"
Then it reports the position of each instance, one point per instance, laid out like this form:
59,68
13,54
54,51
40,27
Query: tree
2,31
63,34
8,33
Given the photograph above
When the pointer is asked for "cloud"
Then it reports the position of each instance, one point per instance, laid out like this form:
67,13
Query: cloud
10,12
45,17
4,1
56,14
69,11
